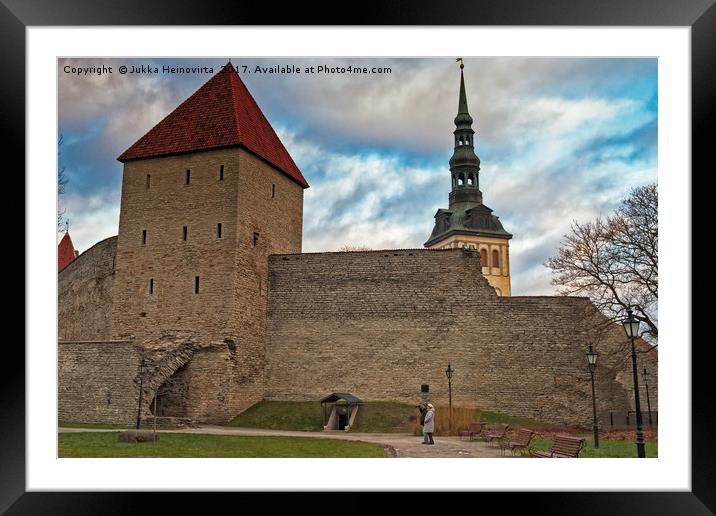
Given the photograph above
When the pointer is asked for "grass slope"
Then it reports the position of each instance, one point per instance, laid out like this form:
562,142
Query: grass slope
104,444
373,416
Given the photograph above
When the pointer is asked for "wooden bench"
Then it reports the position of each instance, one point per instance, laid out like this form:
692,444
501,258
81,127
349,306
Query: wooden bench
519,443
473,430
497,432
565,446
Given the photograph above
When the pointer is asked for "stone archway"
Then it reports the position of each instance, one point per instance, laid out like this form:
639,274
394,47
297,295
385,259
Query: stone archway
171,396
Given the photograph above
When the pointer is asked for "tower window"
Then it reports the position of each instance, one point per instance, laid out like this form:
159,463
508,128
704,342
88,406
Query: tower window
483,258
273,191
221,172
149,180
218,230
186,232
256,239
151,286
188,176
495,258
144,236
196,284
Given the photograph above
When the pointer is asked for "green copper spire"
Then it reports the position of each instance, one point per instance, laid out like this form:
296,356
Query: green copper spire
464,163
462,105
466,214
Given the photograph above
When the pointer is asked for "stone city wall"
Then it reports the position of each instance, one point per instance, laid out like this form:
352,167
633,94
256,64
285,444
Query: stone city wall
379,324
85,292
97,382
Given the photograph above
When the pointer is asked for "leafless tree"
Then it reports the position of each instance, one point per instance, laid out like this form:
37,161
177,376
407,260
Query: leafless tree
62,181
614,260
345,248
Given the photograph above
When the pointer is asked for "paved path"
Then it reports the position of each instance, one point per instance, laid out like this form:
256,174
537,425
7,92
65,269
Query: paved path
404,445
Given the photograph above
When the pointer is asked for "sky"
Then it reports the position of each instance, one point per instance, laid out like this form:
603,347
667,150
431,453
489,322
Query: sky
559,139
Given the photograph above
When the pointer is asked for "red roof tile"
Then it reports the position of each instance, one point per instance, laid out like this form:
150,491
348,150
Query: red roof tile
222,113
65,252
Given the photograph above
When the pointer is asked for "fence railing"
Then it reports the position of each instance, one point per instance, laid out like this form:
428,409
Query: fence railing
620,418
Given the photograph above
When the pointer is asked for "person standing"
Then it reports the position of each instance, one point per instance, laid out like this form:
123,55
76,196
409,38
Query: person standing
429,426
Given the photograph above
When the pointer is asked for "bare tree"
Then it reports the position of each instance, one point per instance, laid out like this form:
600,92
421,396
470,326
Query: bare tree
62,181
345,248
614,261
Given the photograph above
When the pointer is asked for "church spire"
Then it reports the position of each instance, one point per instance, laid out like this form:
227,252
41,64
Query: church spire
462,103
464,163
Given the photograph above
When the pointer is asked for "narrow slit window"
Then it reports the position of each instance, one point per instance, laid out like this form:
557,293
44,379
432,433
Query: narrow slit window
196,284
218,230
256,239
273,191
495,258
221,172
185,232
188,176
144,236
483,258
151,286
149,180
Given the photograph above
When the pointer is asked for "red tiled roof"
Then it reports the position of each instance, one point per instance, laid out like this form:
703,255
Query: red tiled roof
65,252
222,113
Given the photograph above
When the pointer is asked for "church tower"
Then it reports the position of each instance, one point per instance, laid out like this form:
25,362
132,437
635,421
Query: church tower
468,223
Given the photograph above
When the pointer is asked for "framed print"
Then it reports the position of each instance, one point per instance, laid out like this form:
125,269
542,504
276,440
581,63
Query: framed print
414,259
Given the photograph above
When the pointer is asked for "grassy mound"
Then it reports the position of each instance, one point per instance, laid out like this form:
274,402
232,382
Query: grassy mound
373,416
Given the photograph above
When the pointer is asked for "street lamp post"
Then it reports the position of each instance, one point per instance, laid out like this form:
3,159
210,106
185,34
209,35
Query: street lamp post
448,372
645,375
631,327
142,370
592,363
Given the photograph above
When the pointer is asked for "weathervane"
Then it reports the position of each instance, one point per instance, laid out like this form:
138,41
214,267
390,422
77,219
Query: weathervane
462,65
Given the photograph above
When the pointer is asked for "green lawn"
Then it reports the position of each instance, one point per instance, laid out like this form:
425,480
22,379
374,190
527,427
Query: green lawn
606,448
104,444
373,416
106,426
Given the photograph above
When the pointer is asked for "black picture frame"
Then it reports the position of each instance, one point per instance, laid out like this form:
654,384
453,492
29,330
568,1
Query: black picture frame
699,15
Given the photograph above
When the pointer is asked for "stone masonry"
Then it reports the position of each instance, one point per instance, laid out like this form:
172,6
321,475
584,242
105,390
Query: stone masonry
379,324
85,293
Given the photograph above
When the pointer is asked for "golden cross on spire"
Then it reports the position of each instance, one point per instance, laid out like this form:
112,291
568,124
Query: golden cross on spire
462,65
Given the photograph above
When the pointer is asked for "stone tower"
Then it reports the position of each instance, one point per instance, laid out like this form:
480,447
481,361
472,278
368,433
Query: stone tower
207,195
468,222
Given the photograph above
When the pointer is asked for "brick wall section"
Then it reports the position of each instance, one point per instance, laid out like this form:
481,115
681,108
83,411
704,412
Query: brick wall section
379,324
228,314
97,382
85,291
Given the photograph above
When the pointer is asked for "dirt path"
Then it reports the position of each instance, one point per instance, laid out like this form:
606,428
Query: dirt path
405,445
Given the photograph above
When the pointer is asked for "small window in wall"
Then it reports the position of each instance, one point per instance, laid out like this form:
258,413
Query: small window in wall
144,236
218,230
273,191
221,172
483,258
188,176
255,240
495,258
196,284
151,286
185,231
149,180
